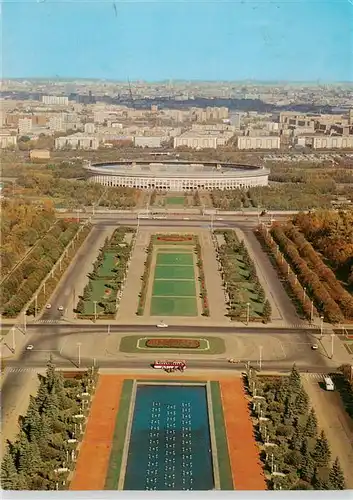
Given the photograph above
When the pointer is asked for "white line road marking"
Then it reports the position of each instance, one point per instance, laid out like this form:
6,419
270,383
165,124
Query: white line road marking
283,350
63,345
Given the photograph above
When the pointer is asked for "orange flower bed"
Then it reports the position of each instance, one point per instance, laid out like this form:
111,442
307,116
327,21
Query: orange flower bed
243,452
93,459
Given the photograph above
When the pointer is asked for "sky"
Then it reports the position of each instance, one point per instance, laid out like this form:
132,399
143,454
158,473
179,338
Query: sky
302,40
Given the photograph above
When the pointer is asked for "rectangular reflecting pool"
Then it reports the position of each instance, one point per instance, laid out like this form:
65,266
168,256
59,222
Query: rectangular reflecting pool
170,445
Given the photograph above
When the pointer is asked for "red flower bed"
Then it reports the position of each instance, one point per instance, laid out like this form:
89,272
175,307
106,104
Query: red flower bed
174,238
173,343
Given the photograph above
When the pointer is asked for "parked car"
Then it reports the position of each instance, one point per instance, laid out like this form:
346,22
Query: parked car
48,306
60,308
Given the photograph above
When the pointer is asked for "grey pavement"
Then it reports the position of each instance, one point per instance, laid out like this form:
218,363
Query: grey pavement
270,279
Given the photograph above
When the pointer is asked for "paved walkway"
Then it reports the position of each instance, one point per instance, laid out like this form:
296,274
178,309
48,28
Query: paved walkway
333,419
283,308
130,297
213,280
17,405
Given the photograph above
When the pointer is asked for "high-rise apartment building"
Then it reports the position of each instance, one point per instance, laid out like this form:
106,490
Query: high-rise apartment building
24,125
55,100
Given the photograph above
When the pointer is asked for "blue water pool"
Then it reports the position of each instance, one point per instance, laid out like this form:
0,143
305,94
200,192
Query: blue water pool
170,446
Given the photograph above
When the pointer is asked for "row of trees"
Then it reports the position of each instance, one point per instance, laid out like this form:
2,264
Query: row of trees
229,200
318,290
331,233
315,262
22,225
51,282
292,196
290,280
280,197
144,279
203,289
113,278
76,193
46,447
24,281
234,279
295,455
308,278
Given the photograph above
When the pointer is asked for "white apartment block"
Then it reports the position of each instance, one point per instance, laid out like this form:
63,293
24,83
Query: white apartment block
330,142
150,141
55,100
7,141
265,142
56,124
77,141
201,141
24,125
90,128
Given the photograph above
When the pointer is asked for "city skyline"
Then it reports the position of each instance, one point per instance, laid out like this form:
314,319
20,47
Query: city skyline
231,42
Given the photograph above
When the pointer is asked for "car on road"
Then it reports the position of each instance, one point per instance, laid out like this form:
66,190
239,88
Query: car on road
314,347
162,325
48,306
29,347
60,308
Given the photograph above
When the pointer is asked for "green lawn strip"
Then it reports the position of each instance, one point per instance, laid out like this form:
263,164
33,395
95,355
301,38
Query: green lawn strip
108,265
187,243
173,306
116,454
225,471
129,344
174,288
182,259
98,294
174,272
175,200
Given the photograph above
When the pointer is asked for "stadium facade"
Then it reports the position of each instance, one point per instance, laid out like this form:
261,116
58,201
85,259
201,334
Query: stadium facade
178,175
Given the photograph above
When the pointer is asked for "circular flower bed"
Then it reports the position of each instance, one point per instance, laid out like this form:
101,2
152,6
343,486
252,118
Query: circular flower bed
173,343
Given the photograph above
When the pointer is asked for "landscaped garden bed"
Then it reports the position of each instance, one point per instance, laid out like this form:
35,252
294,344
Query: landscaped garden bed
173,343
170,239
246,297
173,290
106,281
45,450
294,453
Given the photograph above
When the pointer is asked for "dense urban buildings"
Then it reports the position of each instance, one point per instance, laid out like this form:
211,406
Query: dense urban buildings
91,118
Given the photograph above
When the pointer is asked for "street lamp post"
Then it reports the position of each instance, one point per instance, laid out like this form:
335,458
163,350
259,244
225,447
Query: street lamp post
79,354
13,339
35,305
247,313
304,294
321,326
312,313
95,310
24,321
332,339
260,356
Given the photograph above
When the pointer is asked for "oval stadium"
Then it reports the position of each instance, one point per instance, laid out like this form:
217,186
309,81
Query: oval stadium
178,175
